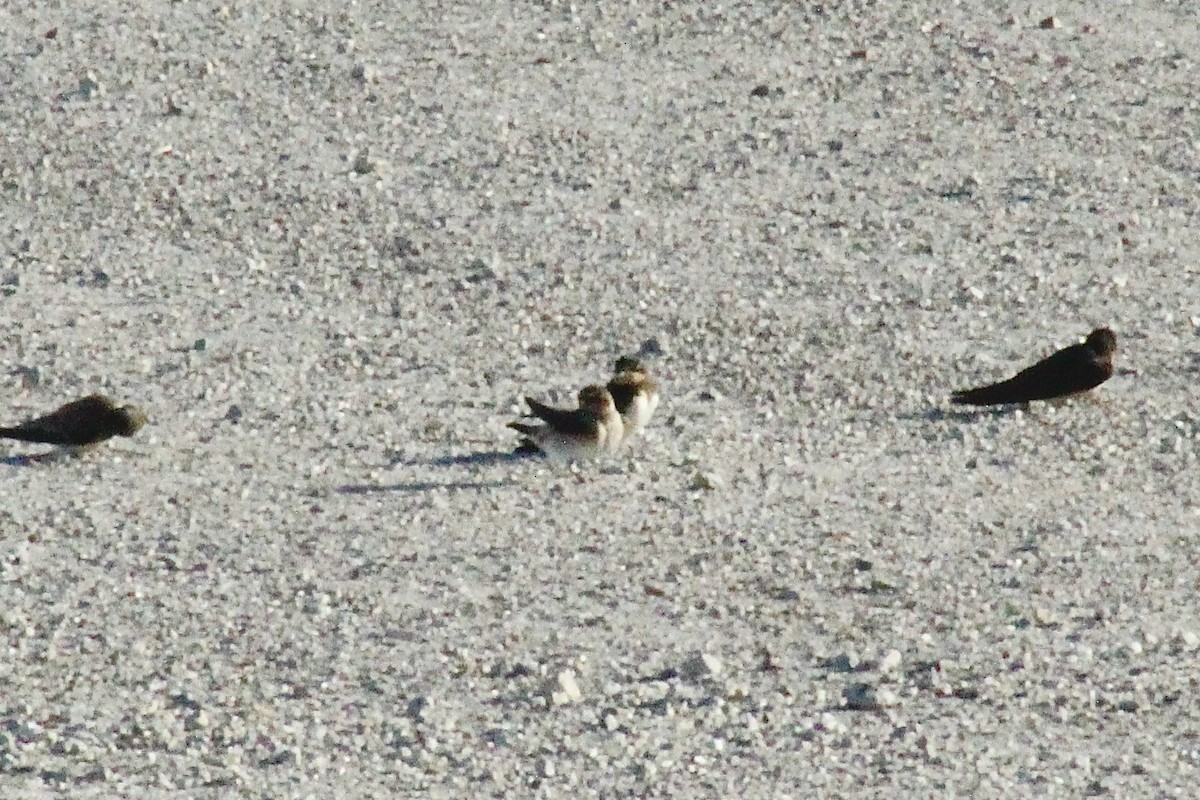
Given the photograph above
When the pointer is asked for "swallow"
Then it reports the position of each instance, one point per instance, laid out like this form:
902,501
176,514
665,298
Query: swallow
1070,371
574,434
80,423
635,394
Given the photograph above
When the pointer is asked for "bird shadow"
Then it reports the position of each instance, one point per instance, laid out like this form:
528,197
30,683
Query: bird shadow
957,415
36,459
486,459
421,486
483,459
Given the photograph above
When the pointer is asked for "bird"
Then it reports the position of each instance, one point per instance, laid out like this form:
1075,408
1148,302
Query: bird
80,423
1069,371
635,394
574,434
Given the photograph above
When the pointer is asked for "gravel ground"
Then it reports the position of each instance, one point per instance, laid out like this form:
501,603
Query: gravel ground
330,251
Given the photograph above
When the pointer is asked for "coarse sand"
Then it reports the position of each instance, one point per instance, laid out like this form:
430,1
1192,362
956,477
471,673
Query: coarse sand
330,248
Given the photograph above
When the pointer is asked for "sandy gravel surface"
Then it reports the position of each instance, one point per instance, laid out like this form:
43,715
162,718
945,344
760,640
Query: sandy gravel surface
330,251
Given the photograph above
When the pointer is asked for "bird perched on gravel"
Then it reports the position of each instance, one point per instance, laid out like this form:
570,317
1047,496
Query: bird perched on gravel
575,434
1070,371
80,423
635,394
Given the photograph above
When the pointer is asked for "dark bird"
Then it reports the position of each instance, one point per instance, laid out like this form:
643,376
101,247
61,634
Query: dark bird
80,423
574,434
635,394
1071,370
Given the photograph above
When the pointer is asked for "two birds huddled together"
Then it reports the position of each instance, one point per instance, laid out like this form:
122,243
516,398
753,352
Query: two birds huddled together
609,415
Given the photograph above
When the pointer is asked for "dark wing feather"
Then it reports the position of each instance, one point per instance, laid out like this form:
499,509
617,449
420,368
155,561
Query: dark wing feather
1070,370
623,389
81,422
573,422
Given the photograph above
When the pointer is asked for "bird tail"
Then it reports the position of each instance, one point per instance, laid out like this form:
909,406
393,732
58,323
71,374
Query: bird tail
525,428
993,394
527,447
529,433
20,434
540,410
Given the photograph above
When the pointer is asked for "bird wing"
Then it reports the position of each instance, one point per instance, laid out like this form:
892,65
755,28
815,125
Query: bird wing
572,422
525,428
623,388
76,423
1070,370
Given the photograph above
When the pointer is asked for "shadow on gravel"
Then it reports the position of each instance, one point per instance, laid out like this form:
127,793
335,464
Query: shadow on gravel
41,458
476,459
468,460
964,415
420,486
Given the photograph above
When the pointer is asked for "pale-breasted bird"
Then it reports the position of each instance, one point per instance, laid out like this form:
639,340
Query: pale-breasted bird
575,434
635,394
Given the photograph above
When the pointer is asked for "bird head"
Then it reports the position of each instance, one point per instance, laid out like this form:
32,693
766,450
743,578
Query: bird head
1102,341
596,399
132,419
628,364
